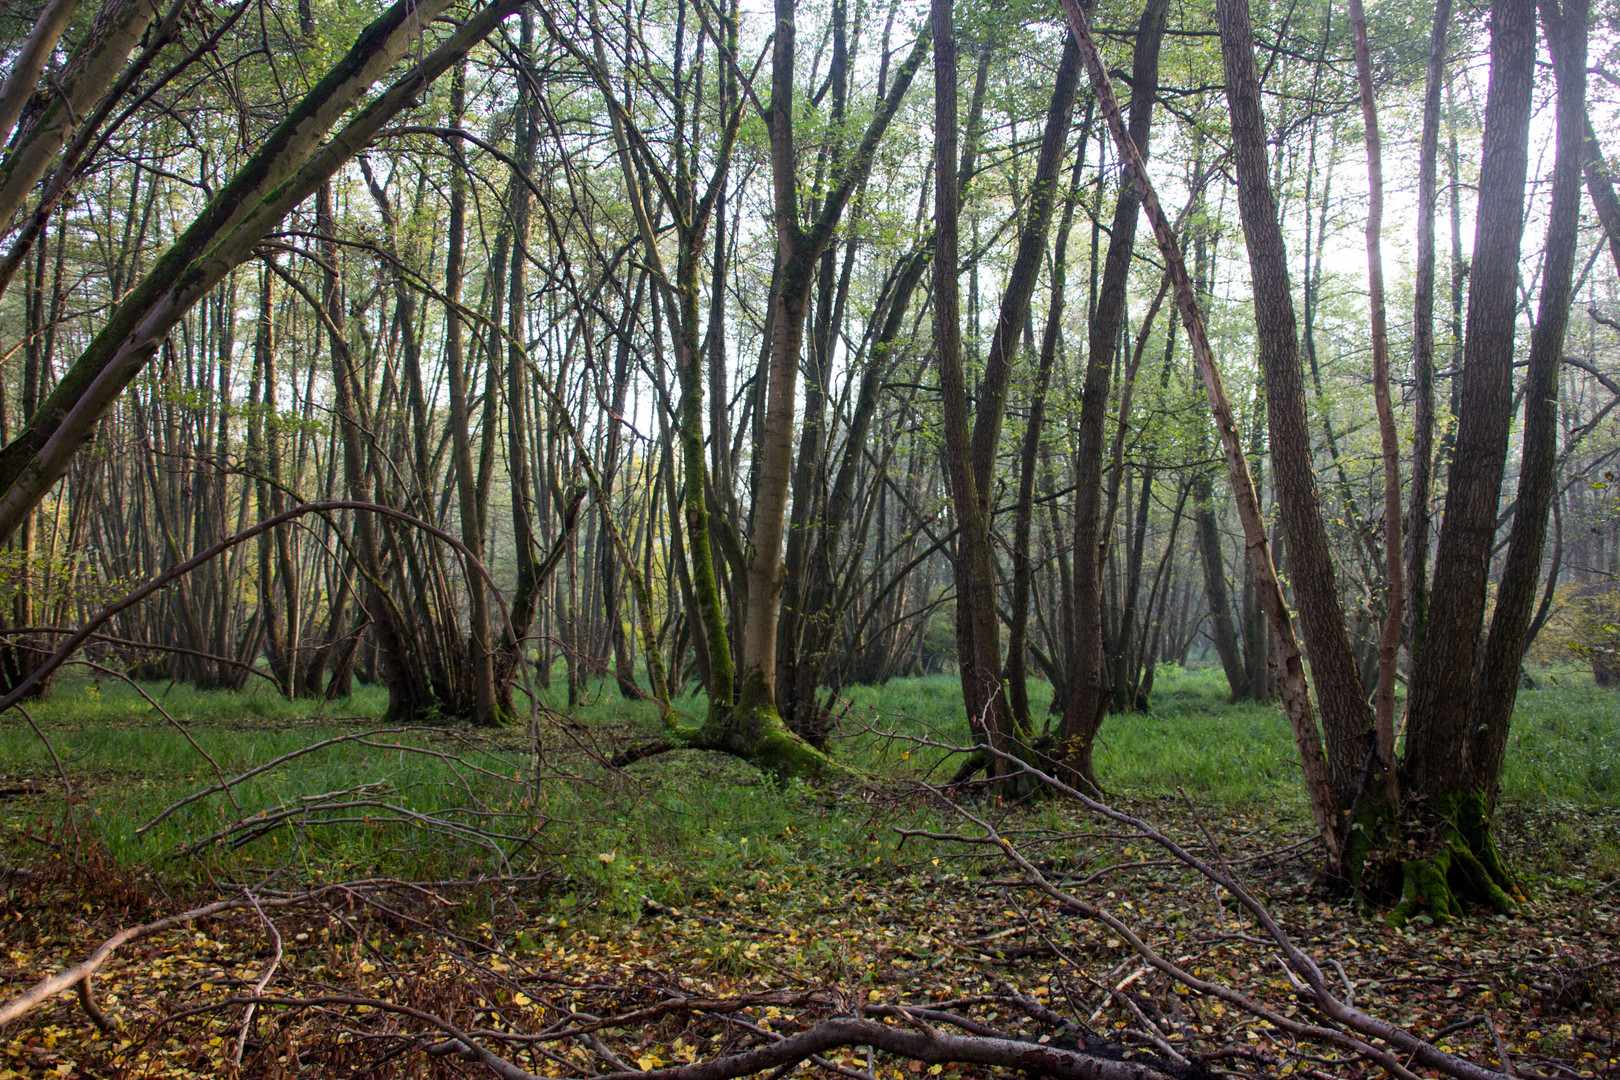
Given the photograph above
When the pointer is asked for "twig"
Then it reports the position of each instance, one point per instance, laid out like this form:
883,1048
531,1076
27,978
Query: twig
226,785
1501,1050
67,785
258,987
177,725
1349,987
1123,983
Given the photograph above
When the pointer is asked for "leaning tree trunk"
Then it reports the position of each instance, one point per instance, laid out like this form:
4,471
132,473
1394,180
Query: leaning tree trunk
1291,680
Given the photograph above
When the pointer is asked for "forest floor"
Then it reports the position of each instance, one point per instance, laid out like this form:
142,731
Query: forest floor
754,908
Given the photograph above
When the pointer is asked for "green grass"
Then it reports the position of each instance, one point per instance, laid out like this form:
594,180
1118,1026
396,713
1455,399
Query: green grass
1564,745
685,825
1228,754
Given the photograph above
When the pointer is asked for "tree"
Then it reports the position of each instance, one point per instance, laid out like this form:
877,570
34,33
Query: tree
1455,749
289,166
1089,689
1346,721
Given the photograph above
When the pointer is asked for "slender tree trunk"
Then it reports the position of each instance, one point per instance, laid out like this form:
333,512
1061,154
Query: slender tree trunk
479,646
1389,641
1295,690
1417,516
1497,682
1022,565
980,663
1347,723
1087,702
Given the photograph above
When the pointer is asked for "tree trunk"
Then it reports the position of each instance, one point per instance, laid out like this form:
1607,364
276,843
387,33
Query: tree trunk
1389,641
1221,629
1458,858
1087,702
1024,514
1347,723
1295,690
1497,684
1417,516
1442,686
753,727
979,660
479,645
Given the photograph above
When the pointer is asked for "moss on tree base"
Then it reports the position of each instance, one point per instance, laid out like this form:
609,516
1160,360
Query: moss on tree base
1459,865
754,733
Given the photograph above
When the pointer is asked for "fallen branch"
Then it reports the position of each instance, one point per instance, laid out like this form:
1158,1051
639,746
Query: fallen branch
1356,1027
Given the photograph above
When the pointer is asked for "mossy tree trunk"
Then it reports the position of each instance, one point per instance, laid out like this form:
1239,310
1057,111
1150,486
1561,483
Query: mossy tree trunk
753,727
1458,727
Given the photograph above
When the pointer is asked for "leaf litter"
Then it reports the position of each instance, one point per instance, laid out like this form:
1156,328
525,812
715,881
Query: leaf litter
631,981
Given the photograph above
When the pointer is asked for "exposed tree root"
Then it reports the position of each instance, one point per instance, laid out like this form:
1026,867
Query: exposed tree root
754,734
1460,866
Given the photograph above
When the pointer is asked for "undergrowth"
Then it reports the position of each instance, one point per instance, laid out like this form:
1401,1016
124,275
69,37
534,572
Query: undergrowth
680,826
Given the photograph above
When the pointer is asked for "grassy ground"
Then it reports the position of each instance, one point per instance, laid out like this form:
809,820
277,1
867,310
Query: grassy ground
129,762
696,867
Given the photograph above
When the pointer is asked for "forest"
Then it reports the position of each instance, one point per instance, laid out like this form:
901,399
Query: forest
691,540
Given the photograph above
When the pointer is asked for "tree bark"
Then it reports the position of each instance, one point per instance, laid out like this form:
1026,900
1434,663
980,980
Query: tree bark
797,250
1417,516
1600,187
1087,702
1347,723
1442,691
1389,641
979,661
1497,683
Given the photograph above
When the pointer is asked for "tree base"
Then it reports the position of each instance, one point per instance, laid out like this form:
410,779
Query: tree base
1460,865
751,733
